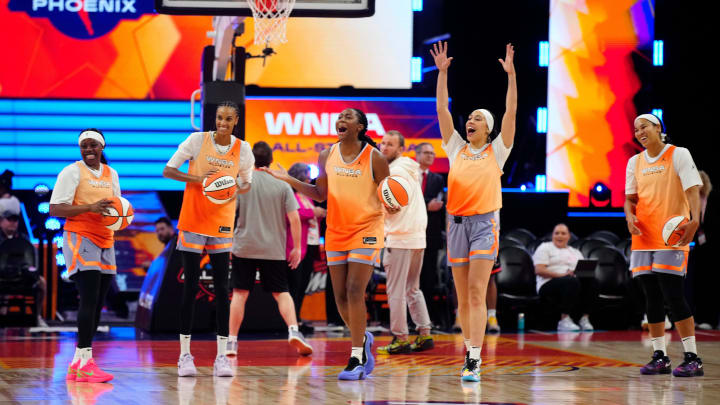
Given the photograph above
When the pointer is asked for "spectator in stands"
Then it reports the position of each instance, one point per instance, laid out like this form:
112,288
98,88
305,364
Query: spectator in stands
433,188
165,230
299,278
9,201
555,263
9,229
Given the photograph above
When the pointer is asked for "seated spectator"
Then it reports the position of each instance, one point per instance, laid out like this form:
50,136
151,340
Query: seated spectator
9,224
164,230
555,263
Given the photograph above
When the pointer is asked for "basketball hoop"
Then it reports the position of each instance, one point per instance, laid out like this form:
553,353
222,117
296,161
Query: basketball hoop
270,18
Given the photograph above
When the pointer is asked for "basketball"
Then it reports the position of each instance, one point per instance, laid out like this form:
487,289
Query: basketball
120,214
670,232
219,188
393,192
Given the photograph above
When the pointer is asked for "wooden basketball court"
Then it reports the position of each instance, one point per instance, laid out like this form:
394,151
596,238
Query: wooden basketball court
529,368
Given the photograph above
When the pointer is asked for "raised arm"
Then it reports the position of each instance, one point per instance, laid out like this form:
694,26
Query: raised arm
317,192
439,54
508,121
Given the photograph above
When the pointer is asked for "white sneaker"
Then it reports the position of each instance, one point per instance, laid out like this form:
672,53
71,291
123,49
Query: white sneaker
231,349
704,326
297,340
585,323
186,366
567,325
668,325
222,367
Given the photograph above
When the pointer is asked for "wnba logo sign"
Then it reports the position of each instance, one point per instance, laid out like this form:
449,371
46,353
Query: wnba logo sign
84,19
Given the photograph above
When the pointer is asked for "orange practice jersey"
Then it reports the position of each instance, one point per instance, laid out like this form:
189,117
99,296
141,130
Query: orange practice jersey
354,214
91,189
660,196
198,214
474,183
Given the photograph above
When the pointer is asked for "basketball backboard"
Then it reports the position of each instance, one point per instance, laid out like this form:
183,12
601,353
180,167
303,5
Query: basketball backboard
303,8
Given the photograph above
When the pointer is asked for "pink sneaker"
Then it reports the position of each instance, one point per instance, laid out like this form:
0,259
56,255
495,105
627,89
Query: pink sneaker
72,371
92,373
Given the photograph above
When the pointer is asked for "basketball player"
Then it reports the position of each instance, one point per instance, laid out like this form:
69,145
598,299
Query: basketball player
473,197
350,172
404,249
204,225
81,194
662,182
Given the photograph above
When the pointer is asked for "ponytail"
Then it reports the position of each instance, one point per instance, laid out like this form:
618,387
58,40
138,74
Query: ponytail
362,135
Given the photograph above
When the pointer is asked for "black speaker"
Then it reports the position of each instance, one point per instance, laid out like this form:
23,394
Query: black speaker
215,93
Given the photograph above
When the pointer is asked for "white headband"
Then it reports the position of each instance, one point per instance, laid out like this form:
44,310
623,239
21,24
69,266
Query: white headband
654,119
648,117
91,135
488,118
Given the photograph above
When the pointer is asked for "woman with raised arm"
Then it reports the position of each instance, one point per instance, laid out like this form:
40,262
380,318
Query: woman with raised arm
473,196
350,172
662,182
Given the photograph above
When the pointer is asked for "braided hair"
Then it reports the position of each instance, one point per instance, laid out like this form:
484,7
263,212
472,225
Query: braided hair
362,135
234,106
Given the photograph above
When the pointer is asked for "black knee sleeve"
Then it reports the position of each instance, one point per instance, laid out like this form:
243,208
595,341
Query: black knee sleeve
674,292
655,304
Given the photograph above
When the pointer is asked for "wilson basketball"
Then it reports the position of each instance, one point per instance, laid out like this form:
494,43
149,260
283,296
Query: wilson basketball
670,232
394,191
219,188
119,215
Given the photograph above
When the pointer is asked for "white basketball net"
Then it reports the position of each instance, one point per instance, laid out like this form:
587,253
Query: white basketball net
270,20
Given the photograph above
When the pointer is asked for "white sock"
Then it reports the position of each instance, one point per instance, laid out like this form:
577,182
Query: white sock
475,352
357,352
492,312
292,328
85,356
76,357
658,343
232,338
689,344
221,345
467,345
184,344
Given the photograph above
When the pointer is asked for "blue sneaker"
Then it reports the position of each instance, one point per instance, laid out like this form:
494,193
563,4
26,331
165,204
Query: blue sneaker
353,372
369,362
471,371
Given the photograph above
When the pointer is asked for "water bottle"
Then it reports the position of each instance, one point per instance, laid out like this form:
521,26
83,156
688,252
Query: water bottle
521,322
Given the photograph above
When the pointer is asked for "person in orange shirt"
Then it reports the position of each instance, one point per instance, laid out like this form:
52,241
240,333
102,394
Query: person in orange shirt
81,194
474,194
206,226
662,182
350,172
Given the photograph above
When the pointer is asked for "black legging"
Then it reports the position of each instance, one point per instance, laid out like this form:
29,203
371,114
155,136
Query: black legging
93,287
572,295
299,278
191,268
661,288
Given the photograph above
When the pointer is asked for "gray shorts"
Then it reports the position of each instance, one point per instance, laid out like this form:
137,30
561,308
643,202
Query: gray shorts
360,255
471,238
658,261
82,254
194,242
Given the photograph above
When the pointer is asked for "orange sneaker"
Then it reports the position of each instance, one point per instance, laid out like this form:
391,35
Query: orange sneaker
72,371
92,373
